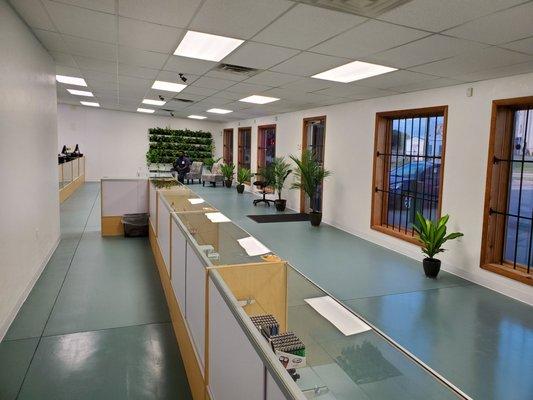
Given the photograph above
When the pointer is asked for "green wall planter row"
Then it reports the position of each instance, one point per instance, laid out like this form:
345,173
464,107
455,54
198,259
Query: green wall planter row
166,144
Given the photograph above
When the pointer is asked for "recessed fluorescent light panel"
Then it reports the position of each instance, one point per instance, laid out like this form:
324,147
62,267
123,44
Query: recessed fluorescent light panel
71,80
80,93
154,102
90,103
259,99
353,71
219,111
168,86
205,46
196,117
145,110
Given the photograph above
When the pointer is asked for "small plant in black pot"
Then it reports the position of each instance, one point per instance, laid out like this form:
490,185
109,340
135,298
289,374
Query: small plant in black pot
243,175
310,174
432,236
281,170
227,171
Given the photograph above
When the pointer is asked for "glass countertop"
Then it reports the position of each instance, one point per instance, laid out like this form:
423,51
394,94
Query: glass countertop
362,365
182,199
218,240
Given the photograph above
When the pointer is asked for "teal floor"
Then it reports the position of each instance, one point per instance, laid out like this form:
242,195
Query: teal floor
478,339
96,325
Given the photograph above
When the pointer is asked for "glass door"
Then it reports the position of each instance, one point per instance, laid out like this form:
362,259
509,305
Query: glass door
314,139
228,146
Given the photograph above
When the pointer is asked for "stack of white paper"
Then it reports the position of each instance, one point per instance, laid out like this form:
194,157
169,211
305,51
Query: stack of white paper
344,321
253,246
217,217
196,201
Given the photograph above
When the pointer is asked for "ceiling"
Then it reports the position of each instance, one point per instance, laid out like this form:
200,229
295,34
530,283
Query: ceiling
121,46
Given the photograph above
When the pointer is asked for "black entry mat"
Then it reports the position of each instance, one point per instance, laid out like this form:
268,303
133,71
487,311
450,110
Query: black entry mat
295,217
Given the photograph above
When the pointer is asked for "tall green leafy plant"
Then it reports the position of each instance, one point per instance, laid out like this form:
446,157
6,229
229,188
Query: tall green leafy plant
243,175
281,170
309,175
228,171
210,161
431,235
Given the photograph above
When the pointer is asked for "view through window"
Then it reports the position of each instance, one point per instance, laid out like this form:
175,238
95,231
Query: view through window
409,166
245,147
266,145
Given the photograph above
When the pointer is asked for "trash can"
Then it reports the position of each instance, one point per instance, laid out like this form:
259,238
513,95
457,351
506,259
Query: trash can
135,225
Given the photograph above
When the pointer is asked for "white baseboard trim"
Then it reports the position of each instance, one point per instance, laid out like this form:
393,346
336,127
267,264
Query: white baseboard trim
4,327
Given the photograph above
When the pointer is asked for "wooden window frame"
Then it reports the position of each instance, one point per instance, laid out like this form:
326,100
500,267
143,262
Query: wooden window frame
227,132
380,179
240,154
260,150
497,178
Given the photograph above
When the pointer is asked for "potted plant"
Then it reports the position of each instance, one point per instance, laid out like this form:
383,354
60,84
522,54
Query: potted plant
281,170
243,175
432,236
310,174
210,161
227,171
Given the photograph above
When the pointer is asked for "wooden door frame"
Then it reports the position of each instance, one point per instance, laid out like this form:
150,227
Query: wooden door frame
260,130
304,146
227,130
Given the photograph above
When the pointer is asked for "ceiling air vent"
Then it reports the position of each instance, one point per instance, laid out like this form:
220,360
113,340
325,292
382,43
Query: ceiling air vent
184,100
367,8
236,69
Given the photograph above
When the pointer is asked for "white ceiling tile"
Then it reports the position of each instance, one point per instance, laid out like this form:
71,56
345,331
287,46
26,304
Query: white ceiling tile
502,27
524,45
86,63
215,101
230,76
148,36
142,58
368,38
91,48
427,84
237,18
437,15
304,26
139,72
306,64
354,92
103,77
107,6
229,95
259,55
213,83
176,13
169,76
188,65
471,62
247,89
493,73
273,79
82,22
134,82
396,78
199,90
429,49
52,41
69,71
33,13
309,85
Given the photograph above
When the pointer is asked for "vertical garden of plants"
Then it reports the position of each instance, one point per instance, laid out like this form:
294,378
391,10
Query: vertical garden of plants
166,144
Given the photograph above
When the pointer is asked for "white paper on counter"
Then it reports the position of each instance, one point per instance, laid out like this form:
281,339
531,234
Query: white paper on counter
253,246
196,201
344,320
217,217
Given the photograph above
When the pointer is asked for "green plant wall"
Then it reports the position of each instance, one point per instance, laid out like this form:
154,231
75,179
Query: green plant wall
166,144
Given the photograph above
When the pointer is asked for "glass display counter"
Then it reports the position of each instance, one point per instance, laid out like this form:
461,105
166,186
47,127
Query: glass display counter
344,358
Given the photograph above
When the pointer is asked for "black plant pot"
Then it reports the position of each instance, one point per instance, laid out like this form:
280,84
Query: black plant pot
315,218
431,267
280,204
228,183
240,189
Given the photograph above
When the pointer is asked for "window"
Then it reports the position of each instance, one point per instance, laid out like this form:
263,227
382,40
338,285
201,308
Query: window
245,147
228,146
508,214
266,145
408,167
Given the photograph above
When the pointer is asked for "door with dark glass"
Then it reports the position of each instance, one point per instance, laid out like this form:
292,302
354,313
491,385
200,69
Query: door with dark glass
314,139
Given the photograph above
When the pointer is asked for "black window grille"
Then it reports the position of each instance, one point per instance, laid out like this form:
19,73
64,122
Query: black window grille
518,237
412,176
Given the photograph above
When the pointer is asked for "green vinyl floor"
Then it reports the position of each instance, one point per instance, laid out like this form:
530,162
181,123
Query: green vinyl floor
96,324
476,338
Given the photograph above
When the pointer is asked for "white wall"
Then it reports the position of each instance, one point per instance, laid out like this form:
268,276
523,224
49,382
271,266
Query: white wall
29,201
115,142
349,150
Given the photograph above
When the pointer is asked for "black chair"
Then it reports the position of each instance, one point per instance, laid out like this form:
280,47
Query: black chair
262,185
